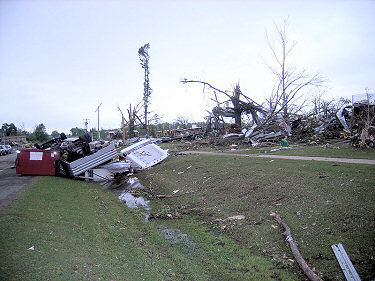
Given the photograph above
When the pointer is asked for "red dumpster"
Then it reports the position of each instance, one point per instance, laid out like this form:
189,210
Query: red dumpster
37,162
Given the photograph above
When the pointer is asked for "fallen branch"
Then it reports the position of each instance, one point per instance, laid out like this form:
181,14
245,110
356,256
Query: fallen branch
164,195
293,245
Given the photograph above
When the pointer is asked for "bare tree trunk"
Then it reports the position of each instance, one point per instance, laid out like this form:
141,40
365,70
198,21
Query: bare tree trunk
131,121
236,105
123,125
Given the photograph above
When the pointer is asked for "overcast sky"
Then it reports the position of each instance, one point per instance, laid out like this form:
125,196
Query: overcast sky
60,59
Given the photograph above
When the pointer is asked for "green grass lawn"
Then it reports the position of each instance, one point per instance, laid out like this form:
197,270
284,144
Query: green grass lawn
340,151
81,232
323,203
332,150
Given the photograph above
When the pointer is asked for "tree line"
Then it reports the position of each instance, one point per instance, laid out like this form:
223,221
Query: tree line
39,133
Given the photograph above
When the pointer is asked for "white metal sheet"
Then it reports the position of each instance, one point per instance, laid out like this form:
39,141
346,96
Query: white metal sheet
144,154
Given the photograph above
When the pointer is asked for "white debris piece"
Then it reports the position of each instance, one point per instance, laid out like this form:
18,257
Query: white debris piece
144,154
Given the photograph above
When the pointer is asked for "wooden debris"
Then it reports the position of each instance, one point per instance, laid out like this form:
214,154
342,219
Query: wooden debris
293,245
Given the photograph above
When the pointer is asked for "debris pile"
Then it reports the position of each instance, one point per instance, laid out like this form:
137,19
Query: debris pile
362,123
91,160
355,122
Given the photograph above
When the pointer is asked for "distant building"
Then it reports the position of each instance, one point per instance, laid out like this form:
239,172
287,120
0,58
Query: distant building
363,99
9,139
111,134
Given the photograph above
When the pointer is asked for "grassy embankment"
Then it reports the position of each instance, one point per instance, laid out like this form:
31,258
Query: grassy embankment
333,150
324,203
81,232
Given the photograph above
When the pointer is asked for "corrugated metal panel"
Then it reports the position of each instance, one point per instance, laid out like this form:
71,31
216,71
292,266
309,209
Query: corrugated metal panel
91,161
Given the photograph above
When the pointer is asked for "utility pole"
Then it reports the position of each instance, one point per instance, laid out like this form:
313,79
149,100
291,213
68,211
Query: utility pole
86,123
97,110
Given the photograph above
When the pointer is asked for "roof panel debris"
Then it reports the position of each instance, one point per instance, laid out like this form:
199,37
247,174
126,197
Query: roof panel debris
144,154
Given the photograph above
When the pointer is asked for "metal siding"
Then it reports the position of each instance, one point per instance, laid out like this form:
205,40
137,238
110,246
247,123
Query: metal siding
91,161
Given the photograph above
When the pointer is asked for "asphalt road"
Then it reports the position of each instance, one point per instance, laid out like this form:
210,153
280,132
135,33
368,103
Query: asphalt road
11,184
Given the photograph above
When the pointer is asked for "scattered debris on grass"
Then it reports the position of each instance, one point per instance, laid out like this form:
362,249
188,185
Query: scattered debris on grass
232,218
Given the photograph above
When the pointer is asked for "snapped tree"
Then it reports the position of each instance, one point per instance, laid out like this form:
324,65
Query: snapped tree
240,104
145,59
132,119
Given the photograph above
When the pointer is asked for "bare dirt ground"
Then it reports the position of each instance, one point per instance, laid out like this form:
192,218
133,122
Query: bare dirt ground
11,184
308,158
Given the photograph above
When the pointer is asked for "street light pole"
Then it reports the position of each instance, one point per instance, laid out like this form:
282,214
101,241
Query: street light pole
98,120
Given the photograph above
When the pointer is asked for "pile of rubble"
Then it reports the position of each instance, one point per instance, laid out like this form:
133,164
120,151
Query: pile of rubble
355,122
91,160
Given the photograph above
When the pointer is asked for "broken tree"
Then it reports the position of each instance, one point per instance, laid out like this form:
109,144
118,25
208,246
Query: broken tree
241,104
132,119
145,58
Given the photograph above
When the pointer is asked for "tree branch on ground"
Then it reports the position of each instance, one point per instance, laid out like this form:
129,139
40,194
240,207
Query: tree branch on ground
296,253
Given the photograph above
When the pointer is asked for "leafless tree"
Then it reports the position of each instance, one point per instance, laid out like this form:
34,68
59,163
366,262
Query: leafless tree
317,103
133,118
291,82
